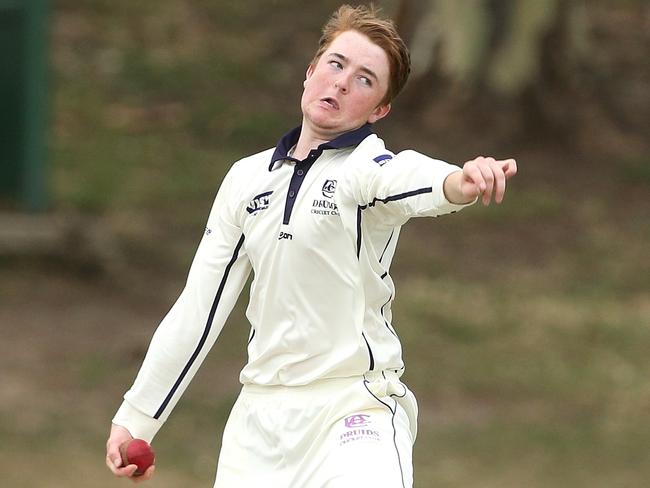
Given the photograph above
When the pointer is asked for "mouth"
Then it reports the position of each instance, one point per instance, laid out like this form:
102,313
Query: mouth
331,102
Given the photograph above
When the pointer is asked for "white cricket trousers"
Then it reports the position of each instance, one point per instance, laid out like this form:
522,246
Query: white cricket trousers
335,433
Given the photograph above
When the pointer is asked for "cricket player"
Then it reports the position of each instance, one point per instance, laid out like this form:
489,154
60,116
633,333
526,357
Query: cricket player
316,219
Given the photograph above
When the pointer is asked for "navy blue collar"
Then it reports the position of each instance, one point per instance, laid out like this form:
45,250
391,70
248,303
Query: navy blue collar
346,139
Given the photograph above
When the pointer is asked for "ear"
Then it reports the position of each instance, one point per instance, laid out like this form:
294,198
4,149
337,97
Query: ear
379,113
310,71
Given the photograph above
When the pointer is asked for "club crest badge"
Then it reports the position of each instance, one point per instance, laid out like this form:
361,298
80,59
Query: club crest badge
329,187
358,420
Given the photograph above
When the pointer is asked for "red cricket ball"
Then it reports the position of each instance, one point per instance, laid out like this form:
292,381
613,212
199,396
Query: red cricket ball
138,452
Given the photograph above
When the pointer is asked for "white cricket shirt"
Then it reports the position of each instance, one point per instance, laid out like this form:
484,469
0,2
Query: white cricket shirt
319,235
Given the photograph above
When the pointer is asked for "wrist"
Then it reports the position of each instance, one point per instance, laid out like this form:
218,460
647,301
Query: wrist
452,189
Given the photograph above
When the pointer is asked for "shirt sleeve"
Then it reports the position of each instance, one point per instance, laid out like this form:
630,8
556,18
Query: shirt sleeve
397,187
182,340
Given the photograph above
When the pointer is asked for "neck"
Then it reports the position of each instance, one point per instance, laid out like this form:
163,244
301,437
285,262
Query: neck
310,139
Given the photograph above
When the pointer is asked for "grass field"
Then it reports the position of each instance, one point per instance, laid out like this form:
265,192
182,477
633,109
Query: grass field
525,327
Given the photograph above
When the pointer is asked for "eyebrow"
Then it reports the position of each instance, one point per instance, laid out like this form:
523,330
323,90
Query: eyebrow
365,69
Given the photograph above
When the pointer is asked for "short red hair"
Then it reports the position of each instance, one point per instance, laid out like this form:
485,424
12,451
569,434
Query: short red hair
382,32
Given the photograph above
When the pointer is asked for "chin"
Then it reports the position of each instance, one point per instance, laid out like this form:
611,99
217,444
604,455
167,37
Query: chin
325,123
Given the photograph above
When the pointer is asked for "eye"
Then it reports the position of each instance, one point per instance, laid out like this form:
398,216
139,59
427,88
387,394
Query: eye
365,80
336,64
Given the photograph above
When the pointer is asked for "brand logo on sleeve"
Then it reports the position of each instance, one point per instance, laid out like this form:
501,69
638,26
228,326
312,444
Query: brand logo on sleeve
329,187
383,159
260,202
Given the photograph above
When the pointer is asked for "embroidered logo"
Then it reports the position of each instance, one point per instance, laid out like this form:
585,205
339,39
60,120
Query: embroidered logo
260,202
324,207
358,420
329,187
383,159
358,430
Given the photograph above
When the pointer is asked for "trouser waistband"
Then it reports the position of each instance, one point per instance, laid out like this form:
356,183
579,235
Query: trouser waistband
324,385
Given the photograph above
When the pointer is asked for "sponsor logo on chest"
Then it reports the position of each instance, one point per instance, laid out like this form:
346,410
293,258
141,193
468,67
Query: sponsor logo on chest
260,202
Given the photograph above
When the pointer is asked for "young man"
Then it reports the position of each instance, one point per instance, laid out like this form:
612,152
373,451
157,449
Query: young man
317,220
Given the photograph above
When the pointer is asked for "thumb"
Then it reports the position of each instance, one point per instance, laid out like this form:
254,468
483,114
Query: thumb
471,189
117,461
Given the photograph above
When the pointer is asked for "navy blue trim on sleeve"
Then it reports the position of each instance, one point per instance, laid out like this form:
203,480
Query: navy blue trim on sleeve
400,196
206,330
391,198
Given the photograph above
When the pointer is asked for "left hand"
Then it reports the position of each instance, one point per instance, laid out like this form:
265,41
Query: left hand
484,176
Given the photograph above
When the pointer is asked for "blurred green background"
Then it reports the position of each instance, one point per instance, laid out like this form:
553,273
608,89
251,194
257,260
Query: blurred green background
525,326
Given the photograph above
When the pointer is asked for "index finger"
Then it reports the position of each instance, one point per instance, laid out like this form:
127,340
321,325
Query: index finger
113,457
120,471
509,167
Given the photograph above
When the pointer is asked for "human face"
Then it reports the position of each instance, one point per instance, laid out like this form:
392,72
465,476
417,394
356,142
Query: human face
347,86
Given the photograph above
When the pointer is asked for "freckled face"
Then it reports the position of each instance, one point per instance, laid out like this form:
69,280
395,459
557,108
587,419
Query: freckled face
344,89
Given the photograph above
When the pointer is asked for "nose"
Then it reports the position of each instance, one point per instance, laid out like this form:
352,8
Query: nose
341,84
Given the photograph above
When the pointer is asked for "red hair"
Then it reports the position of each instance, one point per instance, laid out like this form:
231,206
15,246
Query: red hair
382,32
